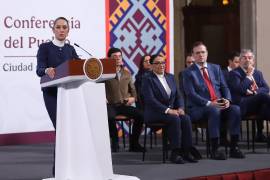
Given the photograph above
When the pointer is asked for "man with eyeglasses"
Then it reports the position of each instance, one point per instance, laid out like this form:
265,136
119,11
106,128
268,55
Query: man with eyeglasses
162,103
250,91
208,98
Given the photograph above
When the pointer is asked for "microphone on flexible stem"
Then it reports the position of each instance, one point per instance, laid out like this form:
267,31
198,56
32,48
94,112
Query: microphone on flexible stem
82,49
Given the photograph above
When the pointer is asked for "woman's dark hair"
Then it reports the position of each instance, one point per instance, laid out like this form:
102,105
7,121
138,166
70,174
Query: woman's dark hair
141,62
63,18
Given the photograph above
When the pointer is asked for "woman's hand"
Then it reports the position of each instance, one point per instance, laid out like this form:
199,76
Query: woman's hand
51,72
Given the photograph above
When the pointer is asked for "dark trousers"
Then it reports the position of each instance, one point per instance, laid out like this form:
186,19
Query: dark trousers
215,115
50,99
129,111
179,128
258,104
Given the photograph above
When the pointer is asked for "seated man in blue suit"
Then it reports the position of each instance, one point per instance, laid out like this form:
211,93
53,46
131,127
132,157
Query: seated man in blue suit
163,104
208,97
249,90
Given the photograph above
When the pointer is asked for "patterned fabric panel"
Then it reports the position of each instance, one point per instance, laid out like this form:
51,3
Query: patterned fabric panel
138,27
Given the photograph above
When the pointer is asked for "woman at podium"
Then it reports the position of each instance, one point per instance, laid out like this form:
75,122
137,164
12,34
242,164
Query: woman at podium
49,56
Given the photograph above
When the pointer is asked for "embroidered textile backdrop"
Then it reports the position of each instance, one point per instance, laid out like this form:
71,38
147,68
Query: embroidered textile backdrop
140,27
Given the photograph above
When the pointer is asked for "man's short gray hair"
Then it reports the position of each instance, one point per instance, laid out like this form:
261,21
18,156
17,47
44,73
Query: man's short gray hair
244,51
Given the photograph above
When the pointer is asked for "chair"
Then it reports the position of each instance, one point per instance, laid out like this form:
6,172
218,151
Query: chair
203,125
122,118
253,118
153,128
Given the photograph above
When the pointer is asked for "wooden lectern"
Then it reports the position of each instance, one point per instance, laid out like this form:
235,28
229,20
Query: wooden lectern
82,137
72,70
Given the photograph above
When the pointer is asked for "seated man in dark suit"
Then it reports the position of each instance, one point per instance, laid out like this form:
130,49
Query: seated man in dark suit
233,60
163,104
208,97
189,60
250,91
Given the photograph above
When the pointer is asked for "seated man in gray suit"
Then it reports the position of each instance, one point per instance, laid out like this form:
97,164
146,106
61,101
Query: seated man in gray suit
208,97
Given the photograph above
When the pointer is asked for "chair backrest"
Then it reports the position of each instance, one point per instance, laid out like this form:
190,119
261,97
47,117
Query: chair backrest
121,117
155,126
251,117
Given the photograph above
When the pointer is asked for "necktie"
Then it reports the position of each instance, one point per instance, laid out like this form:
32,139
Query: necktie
209,85
118,76
254,86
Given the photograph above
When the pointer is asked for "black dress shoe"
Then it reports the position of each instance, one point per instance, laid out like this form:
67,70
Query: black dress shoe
115,147
224,142
195,153
53,170
176,159
188,158
260,138
136,148
236,153
268,142
218,155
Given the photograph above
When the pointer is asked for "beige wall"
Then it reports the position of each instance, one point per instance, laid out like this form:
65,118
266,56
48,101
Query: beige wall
263,38
179,61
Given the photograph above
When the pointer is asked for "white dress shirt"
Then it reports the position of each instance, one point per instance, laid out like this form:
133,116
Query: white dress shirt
165,85
58,43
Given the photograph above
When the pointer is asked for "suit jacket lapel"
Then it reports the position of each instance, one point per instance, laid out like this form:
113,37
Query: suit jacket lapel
256,76
242,72
168,81
170,84
161,88
211,74
199,75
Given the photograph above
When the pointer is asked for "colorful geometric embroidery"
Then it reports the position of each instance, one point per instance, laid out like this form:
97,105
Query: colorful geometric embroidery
138,27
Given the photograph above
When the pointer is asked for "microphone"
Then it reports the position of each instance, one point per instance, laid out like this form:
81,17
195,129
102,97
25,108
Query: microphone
82,49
